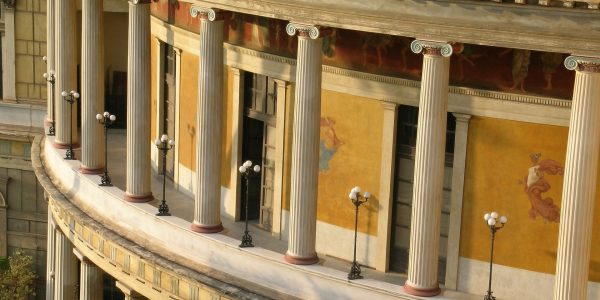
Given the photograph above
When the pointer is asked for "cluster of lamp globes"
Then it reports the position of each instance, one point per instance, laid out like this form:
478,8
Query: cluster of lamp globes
49,74
355,194
492,219
72,93
164,139
107,115
247,165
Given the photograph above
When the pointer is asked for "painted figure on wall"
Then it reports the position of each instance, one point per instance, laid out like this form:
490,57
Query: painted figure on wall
535,185
520,67
550,62
329,143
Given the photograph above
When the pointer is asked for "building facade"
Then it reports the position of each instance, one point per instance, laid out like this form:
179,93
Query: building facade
444,111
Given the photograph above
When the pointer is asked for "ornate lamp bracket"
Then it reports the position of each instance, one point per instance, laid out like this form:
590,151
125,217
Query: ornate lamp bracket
431,47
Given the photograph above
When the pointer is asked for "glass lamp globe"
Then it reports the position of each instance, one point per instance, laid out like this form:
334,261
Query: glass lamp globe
491,221
112,117
45,75
171,142
106,114
157,142
64,93
99,116
367,195
248,164
242,169
164,138
494,215
76,95
503,219
486,216
256,168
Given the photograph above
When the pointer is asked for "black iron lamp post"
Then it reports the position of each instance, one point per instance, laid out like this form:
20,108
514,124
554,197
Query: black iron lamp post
50,78
106,119
70,97
491,220
164,144
355,197
246,169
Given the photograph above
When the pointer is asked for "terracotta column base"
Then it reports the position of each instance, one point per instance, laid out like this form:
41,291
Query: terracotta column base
93,171
138,199
295,260
207,228
430,292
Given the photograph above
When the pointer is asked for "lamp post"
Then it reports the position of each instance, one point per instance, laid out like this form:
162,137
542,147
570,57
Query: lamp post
70,97
106,119
246,169
164,144
491,220
50,78
355,197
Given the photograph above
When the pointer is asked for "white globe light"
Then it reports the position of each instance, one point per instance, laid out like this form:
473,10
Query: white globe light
242,169
356,189
353,196
256,168
64,93
164,138
494,215
486,216
45,75
491,221
44,58
76,94
99,116
503,219
171,142
106,114
112,117
157,142
248,164
367,195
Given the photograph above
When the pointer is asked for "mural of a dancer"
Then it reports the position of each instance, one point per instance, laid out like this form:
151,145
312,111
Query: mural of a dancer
536,185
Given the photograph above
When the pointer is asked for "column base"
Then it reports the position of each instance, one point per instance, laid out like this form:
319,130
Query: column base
138,199
92,171
207,228
429,292
60,145
296,260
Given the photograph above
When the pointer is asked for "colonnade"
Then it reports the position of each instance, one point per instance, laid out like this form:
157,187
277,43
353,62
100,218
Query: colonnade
580,171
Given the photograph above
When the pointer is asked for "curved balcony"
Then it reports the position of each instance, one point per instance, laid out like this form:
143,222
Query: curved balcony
129,242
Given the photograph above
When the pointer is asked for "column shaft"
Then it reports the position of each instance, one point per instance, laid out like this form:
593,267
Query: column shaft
207,213
50,257
50,13
429,174
579,189
305,151
66,71
92,86
65,268
138,187
91,286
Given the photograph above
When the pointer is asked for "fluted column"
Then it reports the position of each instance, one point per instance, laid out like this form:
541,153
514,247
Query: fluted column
66,71
429,169
305,148
65,268
207,204
92,86
128,292
50,242
138,187
579,188
91,286
50,13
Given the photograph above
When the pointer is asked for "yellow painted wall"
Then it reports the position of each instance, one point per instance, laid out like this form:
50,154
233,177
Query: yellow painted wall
188,95
498,162
357,160
153,84
226,125
287,161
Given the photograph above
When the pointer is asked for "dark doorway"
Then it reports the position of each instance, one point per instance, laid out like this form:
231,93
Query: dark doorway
252,150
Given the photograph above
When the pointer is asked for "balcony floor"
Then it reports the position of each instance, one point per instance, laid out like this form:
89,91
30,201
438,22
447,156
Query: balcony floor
182,206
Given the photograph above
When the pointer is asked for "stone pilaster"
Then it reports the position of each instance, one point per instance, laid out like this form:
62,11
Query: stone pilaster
429,169
65,268
138,188
207,205
91,286
305,149
579,188
50,257
128,292
92,86
66,71
50,13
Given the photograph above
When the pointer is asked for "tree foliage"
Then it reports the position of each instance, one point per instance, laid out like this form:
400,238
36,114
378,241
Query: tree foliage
17,281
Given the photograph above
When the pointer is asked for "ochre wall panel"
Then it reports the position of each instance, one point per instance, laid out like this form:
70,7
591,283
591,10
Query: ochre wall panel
516,169
226,126
188,98
153,84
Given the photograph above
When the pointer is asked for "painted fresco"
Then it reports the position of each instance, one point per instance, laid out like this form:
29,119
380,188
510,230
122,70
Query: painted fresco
536,185
160,9
258,33
182,17
328,144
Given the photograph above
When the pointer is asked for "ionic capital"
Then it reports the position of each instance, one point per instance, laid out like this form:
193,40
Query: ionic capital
582,63
305,30
206,13
431,48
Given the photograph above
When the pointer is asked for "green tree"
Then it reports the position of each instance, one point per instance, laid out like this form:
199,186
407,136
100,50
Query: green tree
16,282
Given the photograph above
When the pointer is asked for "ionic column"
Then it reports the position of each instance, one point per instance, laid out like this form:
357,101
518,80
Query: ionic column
207,204
138,188
429,169
579,188
50,257
66,71
128,292
305,149
65,268
50,13
90,279
92,86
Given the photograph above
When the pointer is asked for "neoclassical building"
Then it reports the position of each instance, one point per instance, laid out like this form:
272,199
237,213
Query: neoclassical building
443,110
